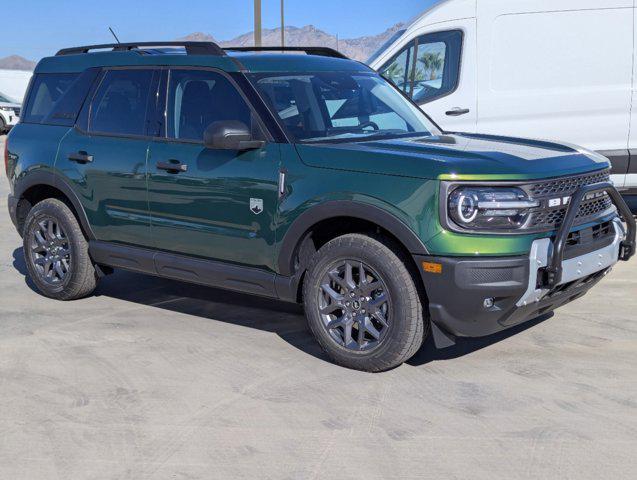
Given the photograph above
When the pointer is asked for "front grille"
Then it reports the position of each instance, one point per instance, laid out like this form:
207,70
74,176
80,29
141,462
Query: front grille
17,111
566,185
547,218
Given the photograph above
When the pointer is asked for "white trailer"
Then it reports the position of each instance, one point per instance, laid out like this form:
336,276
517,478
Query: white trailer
14,83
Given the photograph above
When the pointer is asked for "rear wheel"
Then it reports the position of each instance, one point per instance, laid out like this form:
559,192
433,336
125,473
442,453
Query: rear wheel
362,304
56,252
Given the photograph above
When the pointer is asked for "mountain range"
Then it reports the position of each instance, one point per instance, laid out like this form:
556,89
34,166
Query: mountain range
16,62
309,36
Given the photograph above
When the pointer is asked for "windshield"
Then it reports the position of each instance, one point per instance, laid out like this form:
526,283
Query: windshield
5,99
341,106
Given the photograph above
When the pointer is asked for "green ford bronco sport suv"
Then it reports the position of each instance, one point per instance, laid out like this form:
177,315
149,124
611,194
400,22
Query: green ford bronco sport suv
303,176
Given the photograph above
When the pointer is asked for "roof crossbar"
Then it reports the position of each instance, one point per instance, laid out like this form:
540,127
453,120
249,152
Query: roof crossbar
321,51
192,48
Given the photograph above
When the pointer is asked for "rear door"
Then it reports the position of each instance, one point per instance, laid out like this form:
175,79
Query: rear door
105,155
436,68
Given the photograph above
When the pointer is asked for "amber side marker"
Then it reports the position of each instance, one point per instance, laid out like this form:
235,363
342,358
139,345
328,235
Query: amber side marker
430,267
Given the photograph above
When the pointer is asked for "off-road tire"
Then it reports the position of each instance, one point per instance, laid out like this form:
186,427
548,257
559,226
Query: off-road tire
406,326
81,277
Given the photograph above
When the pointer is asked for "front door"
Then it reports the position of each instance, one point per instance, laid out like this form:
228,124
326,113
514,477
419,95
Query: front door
436,68
105,156
214,204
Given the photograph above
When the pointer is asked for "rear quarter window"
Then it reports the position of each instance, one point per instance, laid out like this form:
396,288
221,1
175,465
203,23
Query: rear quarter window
47,89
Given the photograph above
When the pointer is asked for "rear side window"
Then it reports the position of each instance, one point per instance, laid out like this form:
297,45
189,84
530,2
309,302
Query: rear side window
429,67
120,104
46,91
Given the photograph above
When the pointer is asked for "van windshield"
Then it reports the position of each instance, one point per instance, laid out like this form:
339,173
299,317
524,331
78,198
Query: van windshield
5,99
385,46
341,106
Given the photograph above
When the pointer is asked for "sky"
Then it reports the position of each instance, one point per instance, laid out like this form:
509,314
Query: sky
40,28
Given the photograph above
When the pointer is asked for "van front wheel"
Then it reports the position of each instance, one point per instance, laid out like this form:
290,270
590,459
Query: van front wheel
362,304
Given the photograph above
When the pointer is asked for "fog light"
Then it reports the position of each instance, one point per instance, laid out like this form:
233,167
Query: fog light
489,302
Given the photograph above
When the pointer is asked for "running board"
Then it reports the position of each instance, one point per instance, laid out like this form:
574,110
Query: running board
188,269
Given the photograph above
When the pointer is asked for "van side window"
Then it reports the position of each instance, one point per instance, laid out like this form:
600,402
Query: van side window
120,103
198,98
436,69
399,69
46,90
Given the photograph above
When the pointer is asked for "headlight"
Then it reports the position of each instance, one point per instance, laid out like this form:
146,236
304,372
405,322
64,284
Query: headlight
489,208
7,109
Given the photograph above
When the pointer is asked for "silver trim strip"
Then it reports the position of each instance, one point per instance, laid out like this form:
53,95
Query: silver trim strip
574,268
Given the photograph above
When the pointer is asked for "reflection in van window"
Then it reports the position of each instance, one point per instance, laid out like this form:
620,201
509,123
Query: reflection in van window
432,70
430,65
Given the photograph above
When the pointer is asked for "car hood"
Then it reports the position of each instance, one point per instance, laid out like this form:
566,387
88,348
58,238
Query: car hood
455,156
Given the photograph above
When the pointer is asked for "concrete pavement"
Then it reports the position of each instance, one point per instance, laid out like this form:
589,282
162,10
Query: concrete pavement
154,379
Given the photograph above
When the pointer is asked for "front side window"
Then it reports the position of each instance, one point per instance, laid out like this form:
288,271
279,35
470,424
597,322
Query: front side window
199,98
46,90
341,106
121,102
435,71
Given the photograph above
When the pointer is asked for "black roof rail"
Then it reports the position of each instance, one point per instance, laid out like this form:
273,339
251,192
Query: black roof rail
192,48
322,51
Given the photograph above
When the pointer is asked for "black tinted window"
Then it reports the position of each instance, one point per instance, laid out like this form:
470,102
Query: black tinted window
46,90
65,110
196,99
120,103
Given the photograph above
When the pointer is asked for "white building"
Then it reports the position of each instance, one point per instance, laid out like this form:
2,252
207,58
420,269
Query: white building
14,83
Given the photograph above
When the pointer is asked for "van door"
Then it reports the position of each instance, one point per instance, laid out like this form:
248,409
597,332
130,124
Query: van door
436,67
558,70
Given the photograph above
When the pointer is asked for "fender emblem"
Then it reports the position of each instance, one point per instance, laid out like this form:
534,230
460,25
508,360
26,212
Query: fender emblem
256,205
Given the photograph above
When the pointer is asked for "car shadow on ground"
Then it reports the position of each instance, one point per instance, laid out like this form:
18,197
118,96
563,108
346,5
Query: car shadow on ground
284,319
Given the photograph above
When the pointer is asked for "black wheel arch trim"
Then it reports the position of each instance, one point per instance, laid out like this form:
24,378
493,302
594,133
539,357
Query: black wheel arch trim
50,179
296,233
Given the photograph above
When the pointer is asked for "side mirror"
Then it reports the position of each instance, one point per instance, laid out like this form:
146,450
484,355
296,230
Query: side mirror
230,135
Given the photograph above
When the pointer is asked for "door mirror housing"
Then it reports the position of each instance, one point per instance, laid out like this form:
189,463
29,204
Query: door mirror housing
230,135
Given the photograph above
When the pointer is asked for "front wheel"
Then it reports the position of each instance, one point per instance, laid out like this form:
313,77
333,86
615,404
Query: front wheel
362,304
56,252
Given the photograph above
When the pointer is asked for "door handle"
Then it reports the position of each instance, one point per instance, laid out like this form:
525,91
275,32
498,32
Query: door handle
172,166
456,112
81,157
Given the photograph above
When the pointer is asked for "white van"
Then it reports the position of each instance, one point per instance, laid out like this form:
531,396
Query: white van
551,69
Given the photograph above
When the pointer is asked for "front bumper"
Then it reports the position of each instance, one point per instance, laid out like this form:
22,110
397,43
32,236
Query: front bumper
10,119
475,297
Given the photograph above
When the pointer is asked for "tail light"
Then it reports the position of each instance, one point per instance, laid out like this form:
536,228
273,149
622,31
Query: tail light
6,156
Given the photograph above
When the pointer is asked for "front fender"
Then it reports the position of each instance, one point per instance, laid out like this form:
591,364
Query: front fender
343,208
